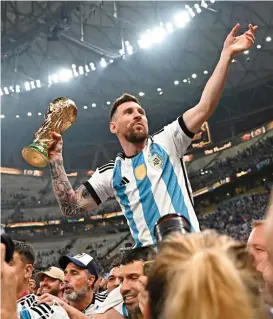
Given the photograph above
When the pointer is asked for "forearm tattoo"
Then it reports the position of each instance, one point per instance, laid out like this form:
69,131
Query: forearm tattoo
71,202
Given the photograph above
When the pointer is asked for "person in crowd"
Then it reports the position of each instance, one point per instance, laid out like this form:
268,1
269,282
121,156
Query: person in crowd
148,178
80,275
257,246
123,301
51,281
8,288
113,280
268,270
27,305
202,275
23,261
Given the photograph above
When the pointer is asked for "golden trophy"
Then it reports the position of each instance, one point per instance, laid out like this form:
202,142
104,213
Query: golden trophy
61,114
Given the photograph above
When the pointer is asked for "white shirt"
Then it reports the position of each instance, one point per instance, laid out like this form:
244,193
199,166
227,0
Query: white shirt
29,308
151,184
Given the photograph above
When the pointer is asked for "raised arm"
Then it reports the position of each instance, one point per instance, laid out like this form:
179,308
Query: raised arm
72,203
196,116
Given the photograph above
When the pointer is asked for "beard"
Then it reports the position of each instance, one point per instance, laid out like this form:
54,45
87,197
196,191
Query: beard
135,136
76,295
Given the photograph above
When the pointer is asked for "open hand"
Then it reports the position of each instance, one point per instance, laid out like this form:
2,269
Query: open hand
237,44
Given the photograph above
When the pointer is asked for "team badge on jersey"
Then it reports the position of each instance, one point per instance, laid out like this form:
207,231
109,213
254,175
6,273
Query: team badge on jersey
140,172
155,160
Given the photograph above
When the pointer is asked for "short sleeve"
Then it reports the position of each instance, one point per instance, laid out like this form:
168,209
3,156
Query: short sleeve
100,184
175,137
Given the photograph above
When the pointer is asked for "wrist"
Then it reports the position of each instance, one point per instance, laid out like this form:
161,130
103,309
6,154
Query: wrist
227,54
57,159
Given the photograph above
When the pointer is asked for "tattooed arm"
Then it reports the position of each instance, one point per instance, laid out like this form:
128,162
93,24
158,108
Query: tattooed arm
71,202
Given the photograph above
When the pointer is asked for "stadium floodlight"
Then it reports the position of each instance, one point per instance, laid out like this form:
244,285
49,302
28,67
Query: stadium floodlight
141,93
160,93
65,75
85,107
246,52
73,66
145,40
2,116
181,19
169,27
17,116
197,8
159,90
268,39
259,46
158,34
212,1
32,85
11,88
103,63
176,82
29,114
75,73
92,66
55,78
38,83
86,67
185,80
108,102
94,104
17,88
204,4
111,61
39,113
206,72
81,71
27,86
130,50
6,90
194,76
1,92
189,9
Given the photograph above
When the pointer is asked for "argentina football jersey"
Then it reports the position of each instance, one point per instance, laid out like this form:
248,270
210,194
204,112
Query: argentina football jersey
151,184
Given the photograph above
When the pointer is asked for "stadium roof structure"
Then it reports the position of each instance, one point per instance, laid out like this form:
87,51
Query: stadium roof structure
89,51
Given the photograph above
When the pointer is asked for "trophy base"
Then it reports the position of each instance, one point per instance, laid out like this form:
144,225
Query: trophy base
36,154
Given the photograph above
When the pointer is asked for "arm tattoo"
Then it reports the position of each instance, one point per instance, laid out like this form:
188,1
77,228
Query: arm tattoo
71,202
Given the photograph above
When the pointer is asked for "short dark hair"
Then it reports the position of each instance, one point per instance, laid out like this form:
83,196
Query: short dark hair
25,250
120,100
137,254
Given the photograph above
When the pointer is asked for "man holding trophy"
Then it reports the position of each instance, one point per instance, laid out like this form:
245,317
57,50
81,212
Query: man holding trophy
148,178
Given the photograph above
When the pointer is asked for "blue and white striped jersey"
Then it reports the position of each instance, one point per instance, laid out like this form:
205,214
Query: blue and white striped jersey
151,184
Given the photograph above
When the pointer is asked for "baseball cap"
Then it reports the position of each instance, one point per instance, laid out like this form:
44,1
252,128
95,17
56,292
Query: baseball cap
53,272
83,260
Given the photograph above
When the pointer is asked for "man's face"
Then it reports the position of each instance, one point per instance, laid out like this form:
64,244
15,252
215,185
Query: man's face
129,275
23,272
76,283
257,247
50,285
130,122
113,279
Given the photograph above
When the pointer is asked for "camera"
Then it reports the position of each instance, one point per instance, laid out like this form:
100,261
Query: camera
171,223
7,241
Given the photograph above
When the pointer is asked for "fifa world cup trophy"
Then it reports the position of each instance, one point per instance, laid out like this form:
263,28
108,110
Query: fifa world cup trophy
61,114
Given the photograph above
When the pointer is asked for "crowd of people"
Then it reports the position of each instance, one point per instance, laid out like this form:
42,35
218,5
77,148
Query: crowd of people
229,166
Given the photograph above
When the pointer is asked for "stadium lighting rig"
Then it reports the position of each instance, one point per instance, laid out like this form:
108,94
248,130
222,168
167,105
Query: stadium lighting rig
151,37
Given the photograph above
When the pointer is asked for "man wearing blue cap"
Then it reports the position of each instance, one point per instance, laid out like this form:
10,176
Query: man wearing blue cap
81,272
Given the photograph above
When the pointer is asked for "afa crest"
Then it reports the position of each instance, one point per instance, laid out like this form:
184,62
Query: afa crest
155,160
